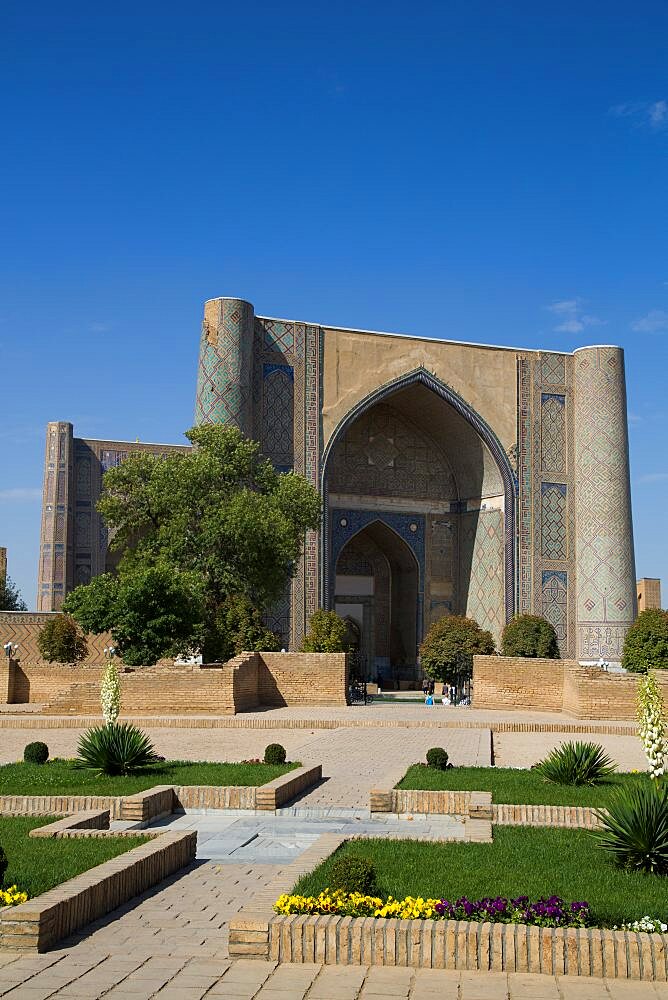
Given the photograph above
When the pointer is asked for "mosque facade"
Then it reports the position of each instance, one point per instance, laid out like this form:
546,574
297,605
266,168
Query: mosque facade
456,478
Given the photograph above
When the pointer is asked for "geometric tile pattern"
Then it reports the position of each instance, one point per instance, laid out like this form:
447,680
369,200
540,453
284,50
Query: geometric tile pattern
482,544
525,492
553,432
552,369
605,563
553,521
278,414
555,603
224,373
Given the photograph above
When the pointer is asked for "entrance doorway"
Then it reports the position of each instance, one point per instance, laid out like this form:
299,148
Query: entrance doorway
377,582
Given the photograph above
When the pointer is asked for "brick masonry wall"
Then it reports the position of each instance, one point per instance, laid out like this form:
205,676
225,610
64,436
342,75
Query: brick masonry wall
38,924
245,682
513,682
516,682
303,679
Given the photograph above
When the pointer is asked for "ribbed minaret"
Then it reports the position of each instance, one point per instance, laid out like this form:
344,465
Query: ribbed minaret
224,376
605,566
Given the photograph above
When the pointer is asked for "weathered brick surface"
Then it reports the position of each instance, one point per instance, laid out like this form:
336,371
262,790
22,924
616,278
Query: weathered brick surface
517,683
38,924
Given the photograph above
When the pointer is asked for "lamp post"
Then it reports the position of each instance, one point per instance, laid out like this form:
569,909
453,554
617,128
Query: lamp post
10,649
110,652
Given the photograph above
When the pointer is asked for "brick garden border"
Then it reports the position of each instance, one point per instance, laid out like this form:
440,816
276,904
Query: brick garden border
265,721
161,800
478,805
437,944
38,924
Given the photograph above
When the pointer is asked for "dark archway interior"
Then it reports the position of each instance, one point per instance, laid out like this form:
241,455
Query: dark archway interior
377,587
413,454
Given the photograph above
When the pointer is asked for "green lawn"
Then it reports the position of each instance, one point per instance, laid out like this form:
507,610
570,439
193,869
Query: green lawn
61,777
509,784
38,865
524,861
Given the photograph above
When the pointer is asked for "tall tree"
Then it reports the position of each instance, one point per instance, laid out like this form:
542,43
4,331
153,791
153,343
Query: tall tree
210,527
10,598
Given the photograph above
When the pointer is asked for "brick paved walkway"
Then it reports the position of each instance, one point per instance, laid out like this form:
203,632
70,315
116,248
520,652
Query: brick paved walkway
171,943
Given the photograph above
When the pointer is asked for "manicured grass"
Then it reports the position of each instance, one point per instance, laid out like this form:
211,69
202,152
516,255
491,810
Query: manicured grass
526,861
38,865
509,784
61,777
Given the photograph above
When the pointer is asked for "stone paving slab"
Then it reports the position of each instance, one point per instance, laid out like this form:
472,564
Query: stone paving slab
197,978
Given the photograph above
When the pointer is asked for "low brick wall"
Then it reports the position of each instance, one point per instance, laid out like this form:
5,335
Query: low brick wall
276,793
452,944
147,806
515,682
41,922
246,682
436,944
58,805
90,819
580,817
161,800
478,805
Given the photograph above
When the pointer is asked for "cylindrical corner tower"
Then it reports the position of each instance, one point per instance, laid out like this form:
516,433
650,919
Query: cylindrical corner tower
224,376
605,566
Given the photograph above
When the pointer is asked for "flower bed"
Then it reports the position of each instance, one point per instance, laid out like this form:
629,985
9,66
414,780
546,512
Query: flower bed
550,912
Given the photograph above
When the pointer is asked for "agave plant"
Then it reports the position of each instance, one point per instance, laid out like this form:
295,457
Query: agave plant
115,749
635,827
576,764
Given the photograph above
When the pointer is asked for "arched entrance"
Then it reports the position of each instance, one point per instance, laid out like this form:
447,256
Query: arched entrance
377,586
420,505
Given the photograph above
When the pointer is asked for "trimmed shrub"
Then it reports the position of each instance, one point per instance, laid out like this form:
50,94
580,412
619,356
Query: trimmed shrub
116,749
36,753
60,640
635,827
529,635
437,758
576,764
326,634
3,864
646,642
353,873
274,754
447,652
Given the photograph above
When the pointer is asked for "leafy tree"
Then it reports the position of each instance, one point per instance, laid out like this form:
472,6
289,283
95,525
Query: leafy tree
326,634
241,624
10,598
60,640
529,635
216,524
646,642
447,652
151,611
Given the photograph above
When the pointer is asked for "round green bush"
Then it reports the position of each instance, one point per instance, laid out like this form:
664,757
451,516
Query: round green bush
36,753
449,647
437,758
274,754
353,873
326,634
3,865
646,642
60,639
529,635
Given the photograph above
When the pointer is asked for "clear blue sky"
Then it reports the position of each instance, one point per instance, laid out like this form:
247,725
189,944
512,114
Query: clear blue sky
467,170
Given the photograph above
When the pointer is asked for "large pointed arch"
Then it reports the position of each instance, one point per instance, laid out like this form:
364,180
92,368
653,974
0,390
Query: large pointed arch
423,377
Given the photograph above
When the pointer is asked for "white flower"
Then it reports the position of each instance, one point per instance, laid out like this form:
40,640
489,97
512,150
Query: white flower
110,694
